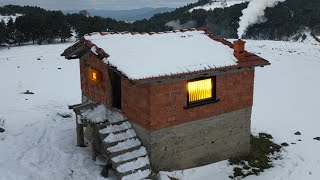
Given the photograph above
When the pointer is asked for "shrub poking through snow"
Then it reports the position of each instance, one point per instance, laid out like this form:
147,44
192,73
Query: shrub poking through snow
262,152
65,115
2,121
28,92
2,130
297,133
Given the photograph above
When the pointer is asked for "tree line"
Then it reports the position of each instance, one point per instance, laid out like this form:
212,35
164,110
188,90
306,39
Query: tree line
39,25
35,27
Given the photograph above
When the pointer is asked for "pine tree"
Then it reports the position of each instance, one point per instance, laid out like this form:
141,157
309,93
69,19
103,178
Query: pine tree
10,32
2,32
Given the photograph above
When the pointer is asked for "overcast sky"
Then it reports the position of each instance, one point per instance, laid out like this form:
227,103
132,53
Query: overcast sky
97,4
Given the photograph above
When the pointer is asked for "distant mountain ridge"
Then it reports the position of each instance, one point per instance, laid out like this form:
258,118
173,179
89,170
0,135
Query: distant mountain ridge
125,15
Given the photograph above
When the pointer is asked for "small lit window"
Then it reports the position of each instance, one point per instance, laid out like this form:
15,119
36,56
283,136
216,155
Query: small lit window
200,90
95,75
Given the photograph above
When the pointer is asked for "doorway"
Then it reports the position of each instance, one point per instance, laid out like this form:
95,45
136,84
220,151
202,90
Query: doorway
115,80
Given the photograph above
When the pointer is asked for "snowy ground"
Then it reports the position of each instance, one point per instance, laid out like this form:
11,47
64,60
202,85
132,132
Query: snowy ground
38,144
214,5
286,100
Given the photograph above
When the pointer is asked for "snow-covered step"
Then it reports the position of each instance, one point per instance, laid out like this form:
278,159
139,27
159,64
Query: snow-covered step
115,117
118,153
116,165
115,128
133,166
127,144
111,138
121,145
118,122
130,155
138,175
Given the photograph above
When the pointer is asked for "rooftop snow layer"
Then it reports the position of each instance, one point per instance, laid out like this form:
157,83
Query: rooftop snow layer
142,55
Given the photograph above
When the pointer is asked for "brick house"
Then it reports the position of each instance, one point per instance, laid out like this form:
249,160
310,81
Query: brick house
187,94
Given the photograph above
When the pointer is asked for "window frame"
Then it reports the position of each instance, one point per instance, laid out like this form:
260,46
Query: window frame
203,101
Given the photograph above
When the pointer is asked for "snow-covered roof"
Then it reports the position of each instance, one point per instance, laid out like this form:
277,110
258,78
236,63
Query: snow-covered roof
140,56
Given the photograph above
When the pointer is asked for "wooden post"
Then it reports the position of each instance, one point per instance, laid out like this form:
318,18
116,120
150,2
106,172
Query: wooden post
95,142
80,132
105,171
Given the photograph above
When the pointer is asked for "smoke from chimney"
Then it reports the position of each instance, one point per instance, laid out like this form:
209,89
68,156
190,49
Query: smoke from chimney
254,13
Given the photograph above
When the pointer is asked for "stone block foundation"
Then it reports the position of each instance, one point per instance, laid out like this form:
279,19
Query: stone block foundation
199,142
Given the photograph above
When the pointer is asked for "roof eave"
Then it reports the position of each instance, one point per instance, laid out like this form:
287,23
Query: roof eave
197,74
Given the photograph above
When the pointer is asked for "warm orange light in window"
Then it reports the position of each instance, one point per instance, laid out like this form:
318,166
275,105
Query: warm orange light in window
95,75
200,90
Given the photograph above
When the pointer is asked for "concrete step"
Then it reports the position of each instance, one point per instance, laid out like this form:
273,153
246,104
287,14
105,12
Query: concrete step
123,145
118,153
138,175
142,163
112,138
120,145
129,156
115,129
133,165
117,164
118,122
116,117
103,136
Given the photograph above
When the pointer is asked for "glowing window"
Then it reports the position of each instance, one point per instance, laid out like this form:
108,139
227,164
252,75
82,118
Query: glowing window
200,90
95,75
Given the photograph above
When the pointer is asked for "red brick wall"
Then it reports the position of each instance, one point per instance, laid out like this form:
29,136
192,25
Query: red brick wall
136,102
235,90
96,92
160,106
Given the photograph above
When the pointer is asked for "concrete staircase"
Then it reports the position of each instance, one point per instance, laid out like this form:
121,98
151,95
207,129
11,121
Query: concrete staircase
121,145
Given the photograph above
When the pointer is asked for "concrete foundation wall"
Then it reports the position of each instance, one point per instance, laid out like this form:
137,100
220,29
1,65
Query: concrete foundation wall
199,142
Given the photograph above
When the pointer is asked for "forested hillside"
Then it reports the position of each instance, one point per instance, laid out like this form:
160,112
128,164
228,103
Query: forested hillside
39,25
36,25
